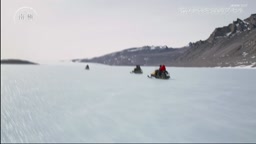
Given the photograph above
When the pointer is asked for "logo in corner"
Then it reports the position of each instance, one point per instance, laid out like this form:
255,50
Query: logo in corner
25,15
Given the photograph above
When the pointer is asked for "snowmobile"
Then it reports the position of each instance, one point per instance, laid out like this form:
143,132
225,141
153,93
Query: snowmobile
87,67
157,75
137,71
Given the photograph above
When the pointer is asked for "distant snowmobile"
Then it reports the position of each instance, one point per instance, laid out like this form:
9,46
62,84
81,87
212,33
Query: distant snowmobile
87,67
137,70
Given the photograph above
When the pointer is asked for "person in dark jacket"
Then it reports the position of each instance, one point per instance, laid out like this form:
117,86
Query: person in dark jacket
137,68
157,71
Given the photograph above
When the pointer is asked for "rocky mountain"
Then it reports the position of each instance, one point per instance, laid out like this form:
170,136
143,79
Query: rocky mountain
16,61
146,55
231,45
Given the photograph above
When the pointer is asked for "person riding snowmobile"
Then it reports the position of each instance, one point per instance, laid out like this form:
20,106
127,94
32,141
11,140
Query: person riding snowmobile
87,67
162,70
157,71
160,73
137,69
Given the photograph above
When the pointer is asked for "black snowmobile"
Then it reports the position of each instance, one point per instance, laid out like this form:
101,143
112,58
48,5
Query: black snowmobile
160,75
137,70
87,67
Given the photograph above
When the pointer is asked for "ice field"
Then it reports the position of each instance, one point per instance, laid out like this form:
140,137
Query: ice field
66,103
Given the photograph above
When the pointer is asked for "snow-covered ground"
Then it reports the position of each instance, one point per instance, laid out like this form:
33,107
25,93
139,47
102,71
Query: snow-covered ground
65,103
252,66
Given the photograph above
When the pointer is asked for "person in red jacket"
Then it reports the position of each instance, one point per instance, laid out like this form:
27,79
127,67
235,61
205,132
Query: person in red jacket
162,70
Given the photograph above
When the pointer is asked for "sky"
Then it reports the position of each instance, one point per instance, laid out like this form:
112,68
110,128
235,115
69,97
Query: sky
69,29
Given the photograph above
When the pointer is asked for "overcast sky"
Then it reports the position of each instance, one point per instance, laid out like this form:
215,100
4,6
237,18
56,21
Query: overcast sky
67,29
